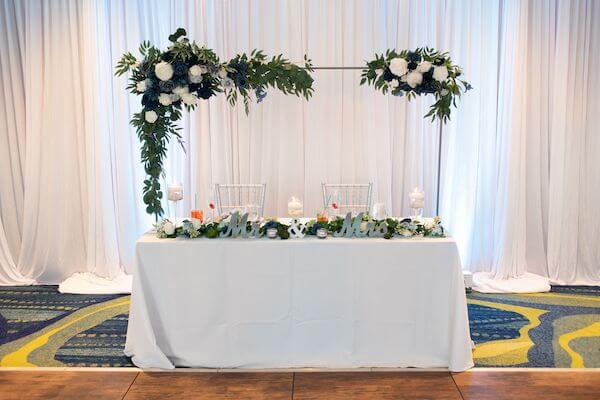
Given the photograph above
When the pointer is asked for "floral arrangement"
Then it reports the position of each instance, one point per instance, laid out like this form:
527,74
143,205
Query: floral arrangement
417,72
403,228
184,73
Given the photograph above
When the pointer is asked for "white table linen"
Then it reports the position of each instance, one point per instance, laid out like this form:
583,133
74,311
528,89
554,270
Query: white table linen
261,303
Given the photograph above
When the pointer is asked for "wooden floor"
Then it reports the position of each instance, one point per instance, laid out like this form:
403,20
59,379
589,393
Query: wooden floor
130,385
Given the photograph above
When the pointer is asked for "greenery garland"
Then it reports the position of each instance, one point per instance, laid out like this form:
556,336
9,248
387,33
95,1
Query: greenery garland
417,72
404,228
180,76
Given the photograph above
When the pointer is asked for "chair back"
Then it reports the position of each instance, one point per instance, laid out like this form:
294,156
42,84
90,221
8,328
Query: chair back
349,197
243,198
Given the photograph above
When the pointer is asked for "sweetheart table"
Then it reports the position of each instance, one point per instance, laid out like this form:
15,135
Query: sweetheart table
270,303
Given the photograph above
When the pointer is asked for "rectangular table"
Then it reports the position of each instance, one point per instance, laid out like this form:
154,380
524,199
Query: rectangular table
261,303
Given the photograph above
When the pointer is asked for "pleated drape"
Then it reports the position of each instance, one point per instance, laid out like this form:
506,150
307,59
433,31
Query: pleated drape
518,173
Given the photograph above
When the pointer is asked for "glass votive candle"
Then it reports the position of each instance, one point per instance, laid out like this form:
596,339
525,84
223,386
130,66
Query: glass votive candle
322,233
272,233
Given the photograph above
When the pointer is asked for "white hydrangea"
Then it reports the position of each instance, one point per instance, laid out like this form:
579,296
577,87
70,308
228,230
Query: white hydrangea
189,99
165,99
163,71
181,90
424,66
394,83
399,66
151,116
141,86
440,73
414,79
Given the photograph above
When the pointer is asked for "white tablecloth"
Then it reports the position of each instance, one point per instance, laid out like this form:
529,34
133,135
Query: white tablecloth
227,303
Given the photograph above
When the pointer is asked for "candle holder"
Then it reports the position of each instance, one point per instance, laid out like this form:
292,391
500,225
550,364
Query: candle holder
416,202
322,233
174,195
295,208
272,233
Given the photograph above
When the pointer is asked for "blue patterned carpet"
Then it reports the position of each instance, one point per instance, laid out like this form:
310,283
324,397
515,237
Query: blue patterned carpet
41,327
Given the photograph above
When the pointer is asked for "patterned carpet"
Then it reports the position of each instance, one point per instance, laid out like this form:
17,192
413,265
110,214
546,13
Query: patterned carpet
41,327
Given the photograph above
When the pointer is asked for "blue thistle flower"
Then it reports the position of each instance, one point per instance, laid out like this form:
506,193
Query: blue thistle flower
260,94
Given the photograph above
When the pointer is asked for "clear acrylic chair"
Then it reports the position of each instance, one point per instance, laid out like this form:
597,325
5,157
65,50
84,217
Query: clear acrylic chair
349,197
243,198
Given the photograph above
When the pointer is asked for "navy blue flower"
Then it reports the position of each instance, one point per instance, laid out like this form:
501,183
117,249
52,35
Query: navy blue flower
412,65
240,66
439,61
179,68
387,75
427,76
167,56
206,90
271,224
149,101
414,57
241,81
150,74
166,86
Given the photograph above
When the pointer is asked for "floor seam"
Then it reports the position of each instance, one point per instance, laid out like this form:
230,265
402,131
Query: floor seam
130,385
457,387
293,384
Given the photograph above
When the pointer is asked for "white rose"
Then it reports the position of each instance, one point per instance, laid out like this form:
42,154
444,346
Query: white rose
141,86
164,71
165,99
203,69
424,66
168,227
195,73
180,90
222,73
151,116
440,73
414,79
189,99
399,66
429,223
195,70
394,83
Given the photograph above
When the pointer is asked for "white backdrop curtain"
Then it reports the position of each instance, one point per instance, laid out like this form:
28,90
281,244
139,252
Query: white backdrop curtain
518,183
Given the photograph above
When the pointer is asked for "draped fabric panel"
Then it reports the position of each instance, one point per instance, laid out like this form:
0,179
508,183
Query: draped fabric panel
518,180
